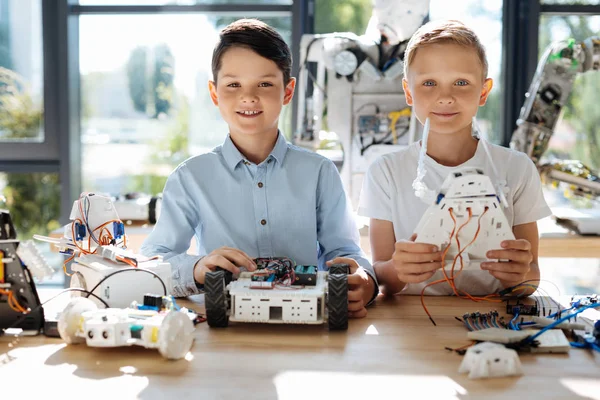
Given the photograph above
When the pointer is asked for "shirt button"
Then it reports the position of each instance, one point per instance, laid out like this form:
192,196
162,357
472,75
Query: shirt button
263,221
260,184
269,161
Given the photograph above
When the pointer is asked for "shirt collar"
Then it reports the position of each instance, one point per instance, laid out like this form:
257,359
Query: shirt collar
233,156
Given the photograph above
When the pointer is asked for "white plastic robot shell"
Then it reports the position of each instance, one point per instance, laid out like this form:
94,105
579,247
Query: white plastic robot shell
120,289
467,182
172,334
398,21
466,189
490,360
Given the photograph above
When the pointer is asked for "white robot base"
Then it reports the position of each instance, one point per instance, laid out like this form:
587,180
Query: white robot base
324,300
172,332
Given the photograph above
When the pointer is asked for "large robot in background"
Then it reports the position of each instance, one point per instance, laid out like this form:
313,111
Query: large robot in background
548,93
551,86
356,88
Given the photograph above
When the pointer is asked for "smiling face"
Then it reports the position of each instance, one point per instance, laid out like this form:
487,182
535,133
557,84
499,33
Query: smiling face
250,92
445,84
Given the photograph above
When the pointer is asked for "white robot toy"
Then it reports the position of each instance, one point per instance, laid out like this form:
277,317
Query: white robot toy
279,292
96,242
158,324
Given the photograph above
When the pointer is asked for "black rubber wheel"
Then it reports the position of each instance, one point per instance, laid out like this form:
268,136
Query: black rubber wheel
215,299
339,269
337,302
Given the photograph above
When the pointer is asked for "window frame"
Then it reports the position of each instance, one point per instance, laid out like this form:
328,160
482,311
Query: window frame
60,152
521,19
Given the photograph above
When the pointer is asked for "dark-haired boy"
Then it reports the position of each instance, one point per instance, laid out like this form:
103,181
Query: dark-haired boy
256,195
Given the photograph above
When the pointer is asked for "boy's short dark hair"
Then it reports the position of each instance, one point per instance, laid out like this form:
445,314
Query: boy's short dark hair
258,37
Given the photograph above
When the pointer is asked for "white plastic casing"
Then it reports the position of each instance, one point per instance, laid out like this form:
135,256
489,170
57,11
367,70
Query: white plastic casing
490,360
285,306
471,189
123,288
172,333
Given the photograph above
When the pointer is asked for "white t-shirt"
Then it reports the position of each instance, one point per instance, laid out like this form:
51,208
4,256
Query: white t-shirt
387,194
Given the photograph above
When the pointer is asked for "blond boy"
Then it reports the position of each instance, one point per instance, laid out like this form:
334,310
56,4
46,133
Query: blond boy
446,81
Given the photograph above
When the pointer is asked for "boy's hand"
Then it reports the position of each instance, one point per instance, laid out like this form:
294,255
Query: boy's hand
360,287
225,257
415,262
518,252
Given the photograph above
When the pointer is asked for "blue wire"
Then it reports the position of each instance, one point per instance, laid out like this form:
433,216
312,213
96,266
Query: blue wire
560,320
512,325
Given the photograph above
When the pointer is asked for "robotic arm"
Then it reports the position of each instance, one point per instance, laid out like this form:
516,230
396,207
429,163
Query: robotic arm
551,86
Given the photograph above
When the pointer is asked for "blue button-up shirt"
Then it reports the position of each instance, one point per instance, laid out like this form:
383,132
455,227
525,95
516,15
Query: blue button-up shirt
290,205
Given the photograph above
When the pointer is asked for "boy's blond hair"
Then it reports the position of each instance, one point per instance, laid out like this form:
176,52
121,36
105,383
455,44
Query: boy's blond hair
445,31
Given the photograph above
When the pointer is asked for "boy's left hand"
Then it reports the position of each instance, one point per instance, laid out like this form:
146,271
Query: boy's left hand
518,252
360,287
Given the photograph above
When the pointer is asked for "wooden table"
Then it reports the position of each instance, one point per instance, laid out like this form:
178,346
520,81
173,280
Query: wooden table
393,353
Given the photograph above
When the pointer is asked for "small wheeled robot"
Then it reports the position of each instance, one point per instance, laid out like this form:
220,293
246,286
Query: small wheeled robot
158,323
279,292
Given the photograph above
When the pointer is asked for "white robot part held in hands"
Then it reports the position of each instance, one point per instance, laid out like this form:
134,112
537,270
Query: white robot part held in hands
466,217
170,331
279,292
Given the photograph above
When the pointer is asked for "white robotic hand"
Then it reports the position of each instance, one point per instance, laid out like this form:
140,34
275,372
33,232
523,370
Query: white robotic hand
490,360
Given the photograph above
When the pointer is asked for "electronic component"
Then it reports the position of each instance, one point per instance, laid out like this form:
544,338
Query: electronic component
551,341
261,285
18,294
522,309
153,300
305,275
499,335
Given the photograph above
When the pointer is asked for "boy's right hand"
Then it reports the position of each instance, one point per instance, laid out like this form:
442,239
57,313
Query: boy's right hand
415,262
227,258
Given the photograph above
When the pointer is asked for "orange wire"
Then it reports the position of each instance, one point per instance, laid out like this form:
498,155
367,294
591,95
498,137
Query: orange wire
458,255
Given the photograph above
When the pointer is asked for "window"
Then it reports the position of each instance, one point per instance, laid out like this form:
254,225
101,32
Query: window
33,200
571,2
577,134
144,97
178,2
485,18
342,16
21,71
